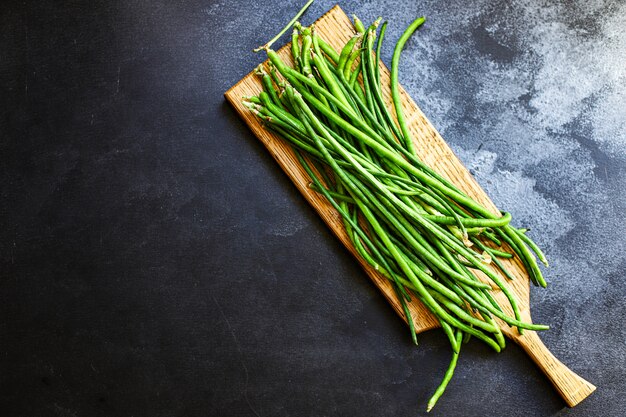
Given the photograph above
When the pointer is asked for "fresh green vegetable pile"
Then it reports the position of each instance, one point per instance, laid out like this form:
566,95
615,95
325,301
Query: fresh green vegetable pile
411,224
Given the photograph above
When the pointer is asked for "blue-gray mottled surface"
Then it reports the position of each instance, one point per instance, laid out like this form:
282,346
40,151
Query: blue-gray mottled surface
156,262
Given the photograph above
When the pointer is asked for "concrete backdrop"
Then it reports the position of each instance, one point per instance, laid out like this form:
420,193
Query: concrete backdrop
156,262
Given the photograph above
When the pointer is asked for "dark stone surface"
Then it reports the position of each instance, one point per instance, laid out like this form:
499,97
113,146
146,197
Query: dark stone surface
156,262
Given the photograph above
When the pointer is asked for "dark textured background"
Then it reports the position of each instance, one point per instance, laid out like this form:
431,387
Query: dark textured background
154,261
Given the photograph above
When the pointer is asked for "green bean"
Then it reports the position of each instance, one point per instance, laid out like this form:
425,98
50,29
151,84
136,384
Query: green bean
499,253
347,51
514,246
533,246
470,222
305,54
447,376
328,50
379,44
295,50
352,82
459,312
395,92
269,44
269,88
336,196
358,25
408,222
489,235
347,70
516,237
493,257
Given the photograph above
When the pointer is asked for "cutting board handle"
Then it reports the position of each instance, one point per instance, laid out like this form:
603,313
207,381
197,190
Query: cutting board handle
570,386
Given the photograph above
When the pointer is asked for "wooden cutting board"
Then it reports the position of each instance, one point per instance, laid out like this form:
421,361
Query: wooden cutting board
336,29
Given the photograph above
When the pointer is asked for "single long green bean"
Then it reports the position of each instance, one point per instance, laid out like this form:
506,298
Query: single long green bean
395,91
533,246
269,44
447,376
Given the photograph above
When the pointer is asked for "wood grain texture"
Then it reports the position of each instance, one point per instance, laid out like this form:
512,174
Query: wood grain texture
336,28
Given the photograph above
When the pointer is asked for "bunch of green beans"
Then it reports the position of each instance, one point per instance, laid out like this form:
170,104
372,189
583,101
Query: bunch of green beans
408,222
